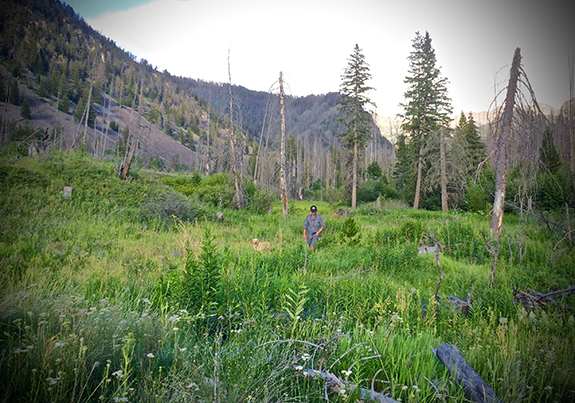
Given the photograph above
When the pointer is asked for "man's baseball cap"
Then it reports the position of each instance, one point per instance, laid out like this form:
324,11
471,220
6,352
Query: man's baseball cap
313,208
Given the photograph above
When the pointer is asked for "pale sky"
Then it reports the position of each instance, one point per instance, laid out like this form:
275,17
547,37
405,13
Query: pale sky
311,40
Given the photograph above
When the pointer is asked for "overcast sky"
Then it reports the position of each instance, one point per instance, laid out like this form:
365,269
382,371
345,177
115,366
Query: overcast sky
311,40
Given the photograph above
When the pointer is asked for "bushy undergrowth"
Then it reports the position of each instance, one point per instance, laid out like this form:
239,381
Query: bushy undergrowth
128,291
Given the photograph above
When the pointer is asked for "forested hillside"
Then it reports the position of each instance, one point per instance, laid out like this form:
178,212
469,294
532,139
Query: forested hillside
53,62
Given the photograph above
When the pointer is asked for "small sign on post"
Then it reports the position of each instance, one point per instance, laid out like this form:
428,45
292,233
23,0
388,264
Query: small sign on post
67,192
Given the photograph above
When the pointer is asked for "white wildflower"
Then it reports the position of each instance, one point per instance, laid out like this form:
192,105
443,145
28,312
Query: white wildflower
150,355
119,373
52,381
174,318
58,344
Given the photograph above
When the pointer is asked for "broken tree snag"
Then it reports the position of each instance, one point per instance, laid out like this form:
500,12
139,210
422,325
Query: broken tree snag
501,151
475,388
532,299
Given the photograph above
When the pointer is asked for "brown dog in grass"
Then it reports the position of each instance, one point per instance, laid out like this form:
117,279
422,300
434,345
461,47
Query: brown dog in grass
261,246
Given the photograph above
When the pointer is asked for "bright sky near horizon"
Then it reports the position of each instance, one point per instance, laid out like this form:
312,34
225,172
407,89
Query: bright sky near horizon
310,41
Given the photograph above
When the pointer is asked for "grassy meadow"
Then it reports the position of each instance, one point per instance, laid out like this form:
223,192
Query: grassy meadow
130,291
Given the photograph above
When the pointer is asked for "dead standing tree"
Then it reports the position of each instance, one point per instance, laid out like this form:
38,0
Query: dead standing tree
239,197
133,139
283,151
517,135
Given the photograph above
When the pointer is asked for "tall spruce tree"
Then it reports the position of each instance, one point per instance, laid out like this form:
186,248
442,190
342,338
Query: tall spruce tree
428,106
467,137
353,102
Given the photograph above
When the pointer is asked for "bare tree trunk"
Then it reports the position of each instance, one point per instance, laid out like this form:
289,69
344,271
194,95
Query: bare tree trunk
257,167
283,151
354,178
207,168
418,181
443,170
132,141
501,148
239,191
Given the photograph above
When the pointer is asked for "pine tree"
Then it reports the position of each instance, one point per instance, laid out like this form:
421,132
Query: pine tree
548,154
25,111
476,149
64,104
428,106
80,107
14,92
403,173
2,89
352,104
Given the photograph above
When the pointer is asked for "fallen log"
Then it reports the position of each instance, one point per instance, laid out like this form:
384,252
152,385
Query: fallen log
533,299
475,388
338,386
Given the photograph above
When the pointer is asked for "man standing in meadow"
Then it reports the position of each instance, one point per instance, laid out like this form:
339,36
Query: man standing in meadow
314,225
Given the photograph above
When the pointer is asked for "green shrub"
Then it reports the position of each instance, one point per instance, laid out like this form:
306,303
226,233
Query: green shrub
162,208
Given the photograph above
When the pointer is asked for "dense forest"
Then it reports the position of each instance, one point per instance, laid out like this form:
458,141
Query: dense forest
64,86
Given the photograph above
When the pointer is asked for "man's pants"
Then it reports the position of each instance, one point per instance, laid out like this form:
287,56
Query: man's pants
312,239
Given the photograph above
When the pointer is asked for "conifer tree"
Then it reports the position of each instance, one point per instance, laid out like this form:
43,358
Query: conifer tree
428,106
25,111
64,104
403,173
352,104
2,89
548,154
14,92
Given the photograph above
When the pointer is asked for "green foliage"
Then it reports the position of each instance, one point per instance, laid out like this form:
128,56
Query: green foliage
554,190
404,173
215,190
467,137
161,209
64,104
114,126
428,105
2,89
350,232
202,277
475,198
370,190
14,92
25,111
548,153
374,171
354,100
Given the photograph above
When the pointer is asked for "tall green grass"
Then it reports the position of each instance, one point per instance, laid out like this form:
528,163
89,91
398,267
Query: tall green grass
131,291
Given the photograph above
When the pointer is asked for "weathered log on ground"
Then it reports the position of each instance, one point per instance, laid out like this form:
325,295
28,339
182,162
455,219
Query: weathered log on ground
336,385
475,388
533,299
